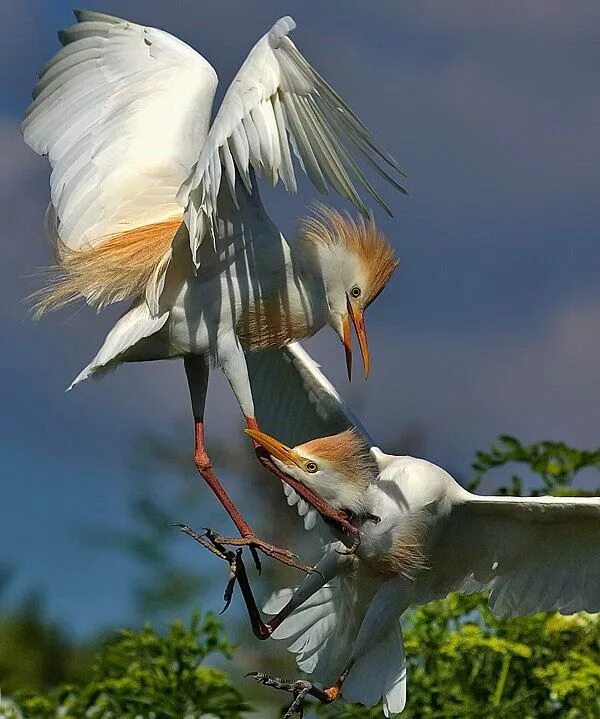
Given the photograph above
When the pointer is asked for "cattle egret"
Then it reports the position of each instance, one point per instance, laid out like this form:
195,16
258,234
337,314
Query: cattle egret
422,536
123,113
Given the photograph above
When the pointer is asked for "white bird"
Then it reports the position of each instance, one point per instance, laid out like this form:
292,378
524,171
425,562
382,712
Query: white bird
422,536
123,113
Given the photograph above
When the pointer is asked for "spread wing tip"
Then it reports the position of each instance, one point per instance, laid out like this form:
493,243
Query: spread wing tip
281,29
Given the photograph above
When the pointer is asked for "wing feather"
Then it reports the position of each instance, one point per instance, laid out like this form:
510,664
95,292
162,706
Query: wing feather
295,402
533,554
122,111
276,99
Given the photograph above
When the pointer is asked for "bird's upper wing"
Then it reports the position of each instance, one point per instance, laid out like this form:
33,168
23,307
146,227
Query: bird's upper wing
121,111
534,554
276,100
295,402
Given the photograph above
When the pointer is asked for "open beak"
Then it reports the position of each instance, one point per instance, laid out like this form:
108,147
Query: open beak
347,342
358,321
273,446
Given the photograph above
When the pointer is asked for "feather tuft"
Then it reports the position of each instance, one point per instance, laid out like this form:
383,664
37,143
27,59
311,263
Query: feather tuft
117,268
327,226
348,452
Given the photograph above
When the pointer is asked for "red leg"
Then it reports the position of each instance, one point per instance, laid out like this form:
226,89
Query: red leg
197,371
203,465
247,536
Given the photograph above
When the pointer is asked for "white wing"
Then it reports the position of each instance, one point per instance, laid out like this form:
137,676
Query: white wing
295,402
122,112
534,554
275,100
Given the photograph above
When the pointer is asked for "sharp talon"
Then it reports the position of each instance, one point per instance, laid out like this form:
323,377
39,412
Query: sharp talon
352,548
299,689
256,559
373,518
228,593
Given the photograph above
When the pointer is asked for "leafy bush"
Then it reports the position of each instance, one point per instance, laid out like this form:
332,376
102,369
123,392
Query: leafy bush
466,664
142,675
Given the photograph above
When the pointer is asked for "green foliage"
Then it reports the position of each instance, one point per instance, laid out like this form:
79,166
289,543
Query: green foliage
555,463
142,675
465,663
34,652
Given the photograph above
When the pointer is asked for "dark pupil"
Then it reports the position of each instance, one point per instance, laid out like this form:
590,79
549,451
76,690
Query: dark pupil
355,292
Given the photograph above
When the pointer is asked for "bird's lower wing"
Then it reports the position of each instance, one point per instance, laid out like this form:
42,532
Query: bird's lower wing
135,325
322,631
295,402
533,554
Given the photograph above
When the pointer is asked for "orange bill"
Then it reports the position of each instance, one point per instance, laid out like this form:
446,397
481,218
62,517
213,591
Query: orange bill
274,447
358,320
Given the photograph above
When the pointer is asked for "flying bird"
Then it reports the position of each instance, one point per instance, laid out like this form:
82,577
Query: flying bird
422,536
153,203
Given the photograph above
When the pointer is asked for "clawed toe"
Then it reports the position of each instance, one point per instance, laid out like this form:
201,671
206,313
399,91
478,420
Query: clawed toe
255,544
299,688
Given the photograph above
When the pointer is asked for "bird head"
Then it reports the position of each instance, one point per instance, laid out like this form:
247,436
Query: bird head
338,468
356,262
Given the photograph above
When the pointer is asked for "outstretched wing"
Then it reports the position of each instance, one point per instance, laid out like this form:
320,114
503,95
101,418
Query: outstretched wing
276,100
533,554
122,112
295,402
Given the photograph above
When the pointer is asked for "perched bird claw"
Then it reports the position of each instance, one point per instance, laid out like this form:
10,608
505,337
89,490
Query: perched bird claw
218,544
353,532
210,541
299,688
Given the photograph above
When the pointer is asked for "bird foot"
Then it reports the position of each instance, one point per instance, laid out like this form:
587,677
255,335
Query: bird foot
218,544
255,544
233,559
300,689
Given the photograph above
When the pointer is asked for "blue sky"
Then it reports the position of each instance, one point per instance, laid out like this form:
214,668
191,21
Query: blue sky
491,325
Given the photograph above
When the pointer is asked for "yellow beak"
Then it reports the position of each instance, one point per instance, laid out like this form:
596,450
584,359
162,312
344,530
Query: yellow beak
358,321
274,447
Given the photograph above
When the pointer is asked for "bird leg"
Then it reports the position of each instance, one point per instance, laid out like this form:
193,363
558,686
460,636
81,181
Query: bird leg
300,689
197,371
247,536
237,572
337,519
232,558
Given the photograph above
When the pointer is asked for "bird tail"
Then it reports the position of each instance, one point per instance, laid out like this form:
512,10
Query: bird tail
134,326
321,633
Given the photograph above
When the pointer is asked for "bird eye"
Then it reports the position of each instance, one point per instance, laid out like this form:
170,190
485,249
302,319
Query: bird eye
355,292
311,467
